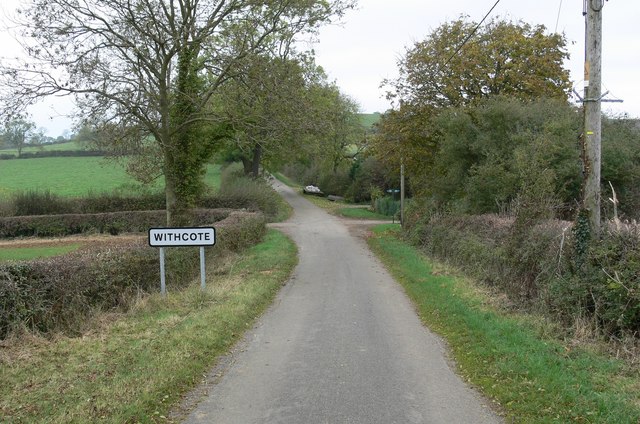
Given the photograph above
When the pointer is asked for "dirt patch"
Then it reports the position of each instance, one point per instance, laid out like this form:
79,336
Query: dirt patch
101,239
361,228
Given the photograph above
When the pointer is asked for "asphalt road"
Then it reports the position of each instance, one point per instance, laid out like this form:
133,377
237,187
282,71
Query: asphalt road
341,344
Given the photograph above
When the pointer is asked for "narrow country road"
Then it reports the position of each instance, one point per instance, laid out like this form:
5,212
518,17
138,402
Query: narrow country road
341,344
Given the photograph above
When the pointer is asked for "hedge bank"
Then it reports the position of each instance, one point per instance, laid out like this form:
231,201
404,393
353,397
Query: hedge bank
58,294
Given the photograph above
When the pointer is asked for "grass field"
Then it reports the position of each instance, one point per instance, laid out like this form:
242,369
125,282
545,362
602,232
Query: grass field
27,253
136,367
70,145
369,119
75,176
514,359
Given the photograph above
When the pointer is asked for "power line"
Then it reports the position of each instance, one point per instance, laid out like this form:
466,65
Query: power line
472,33
558,18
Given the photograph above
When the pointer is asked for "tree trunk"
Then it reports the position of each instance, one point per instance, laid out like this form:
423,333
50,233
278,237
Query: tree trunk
171,199
255,164
247,165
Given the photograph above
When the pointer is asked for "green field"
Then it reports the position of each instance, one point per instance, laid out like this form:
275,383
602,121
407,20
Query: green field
27,253
76,176
70,145
369,119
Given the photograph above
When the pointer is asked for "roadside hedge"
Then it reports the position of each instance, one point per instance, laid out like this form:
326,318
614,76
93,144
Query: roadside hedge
111,223
547,269
58,294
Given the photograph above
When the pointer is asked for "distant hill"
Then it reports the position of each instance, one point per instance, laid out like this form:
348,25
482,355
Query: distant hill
369,119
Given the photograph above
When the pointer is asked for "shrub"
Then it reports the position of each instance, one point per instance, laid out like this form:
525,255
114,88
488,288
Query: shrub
365,174
539,263
303,173
387,206
115,202
601,282
335,183
240,192
34,202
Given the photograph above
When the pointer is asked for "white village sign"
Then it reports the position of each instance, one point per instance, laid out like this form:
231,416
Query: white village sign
181,237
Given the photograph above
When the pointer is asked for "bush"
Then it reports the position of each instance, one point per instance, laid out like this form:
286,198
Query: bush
240,192
387,206
115,202
59,293
304,173
336,183
602,282
365,174
34,202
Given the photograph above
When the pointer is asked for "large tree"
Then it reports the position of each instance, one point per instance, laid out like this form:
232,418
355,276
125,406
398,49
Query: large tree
151,67
343,135
267,109
283,109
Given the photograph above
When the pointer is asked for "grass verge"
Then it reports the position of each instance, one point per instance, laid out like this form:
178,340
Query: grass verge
338,208
135,367
286,180
361,213
535,378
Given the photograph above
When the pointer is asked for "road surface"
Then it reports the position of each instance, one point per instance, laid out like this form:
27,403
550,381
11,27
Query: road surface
341,344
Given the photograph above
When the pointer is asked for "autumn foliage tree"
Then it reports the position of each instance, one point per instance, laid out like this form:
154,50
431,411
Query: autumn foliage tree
501,57
455,67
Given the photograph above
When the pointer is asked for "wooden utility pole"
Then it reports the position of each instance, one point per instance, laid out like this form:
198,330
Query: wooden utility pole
592,134
402,192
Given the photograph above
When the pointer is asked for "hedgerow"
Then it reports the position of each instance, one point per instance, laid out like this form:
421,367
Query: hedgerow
111,223
545,266
58,294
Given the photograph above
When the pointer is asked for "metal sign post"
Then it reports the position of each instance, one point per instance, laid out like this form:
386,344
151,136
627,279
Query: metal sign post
181,237
163,281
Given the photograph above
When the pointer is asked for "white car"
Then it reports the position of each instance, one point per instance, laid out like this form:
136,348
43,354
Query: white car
311,189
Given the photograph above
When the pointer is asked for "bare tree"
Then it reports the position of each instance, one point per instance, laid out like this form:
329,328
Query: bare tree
150,67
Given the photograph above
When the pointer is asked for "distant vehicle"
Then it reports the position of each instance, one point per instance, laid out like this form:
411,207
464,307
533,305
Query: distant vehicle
311,189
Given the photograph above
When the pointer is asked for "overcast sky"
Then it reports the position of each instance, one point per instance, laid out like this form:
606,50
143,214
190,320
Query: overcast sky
364,49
